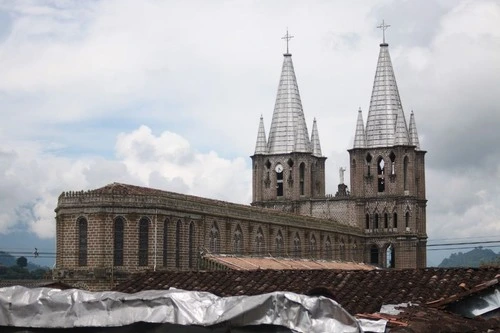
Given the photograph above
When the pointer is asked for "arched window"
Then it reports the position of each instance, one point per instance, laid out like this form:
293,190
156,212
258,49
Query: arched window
259,242
367,221
178,226
392,156
279,244
313,247
395,221
237,240
279,180
118,232
82,241
405,173
296,245
381,174
302,174
214,239
191,245
376,222
368,161
143,241
328,249
386,221
407,219
165,242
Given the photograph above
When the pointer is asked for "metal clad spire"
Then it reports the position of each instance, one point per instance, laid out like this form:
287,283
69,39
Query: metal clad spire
261,145
413,132
385,103
288,131
359,136
401,136
315,140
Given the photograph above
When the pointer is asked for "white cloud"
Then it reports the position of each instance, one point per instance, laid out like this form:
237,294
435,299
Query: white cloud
31,179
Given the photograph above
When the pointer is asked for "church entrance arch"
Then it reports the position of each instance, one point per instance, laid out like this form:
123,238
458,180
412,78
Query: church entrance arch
374,255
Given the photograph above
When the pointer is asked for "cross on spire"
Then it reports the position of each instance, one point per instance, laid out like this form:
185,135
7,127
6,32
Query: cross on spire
287,37
384,27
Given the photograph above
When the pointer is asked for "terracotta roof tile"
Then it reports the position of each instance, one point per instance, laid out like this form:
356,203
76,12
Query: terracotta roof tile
358,291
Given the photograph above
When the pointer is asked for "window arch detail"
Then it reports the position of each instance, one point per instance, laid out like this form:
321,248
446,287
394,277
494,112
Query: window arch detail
143,241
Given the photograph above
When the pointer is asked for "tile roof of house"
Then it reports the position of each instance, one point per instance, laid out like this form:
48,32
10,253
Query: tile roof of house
357,291
34,284
255,263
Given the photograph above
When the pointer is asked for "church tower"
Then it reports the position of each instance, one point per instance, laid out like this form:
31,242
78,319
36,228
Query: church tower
388,176
288,166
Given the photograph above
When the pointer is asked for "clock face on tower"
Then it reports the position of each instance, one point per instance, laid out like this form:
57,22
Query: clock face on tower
279,168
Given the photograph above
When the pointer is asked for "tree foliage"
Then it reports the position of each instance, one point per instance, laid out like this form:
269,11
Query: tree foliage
22,262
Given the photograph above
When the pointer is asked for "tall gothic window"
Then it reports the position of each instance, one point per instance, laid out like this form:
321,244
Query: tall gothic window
82,241
178,244
313,247
296,245
143,241
259,242
165,242
392,156
328,249
238,240
395,221
381,174
279,244
279,180
302,174
376,222
118,233
386,221
191,245
367,221
214,239
407,219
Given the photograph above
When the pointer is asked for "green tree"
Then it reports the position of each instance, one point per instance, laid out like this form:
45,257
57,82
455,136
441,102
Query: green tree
22,262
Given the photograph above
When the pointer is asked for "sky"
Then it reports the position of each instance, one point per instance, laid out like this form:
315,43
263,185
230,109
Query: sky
168,94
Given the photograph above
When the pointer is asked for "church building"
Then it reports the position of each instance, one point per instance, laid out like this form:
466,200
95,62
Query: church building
105,234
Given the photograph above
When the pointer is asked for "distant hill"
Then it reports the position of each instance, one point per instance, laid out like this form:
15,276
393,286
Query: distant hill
8,260
473,258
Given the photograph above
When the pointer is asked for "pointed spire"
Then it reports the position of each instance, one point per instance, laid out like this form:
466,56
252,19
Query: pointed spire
359,136
315,140
401,137
385,104
261,145
413,132
288,131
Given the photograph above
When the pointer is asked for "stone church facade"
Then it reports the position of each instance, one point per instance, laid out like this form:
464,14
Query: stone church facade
107,233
